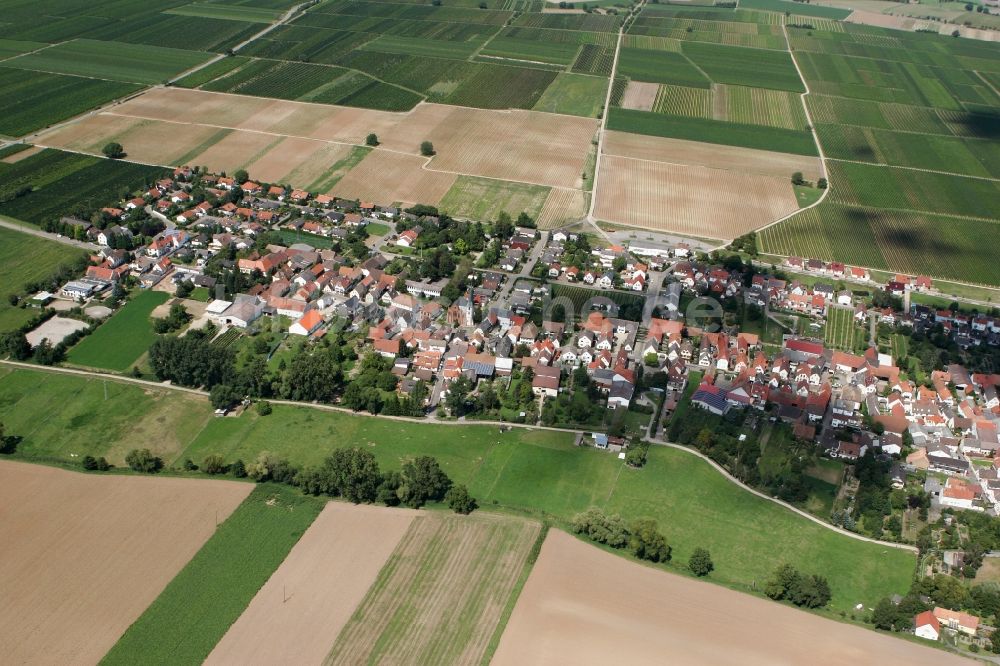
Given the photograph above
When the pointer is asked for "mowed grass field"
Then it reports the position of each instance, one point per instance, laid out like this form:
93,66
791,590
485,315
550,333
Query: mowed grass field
484,198
119,342
24,259
62,418
212,590
458,575
135,63
540,473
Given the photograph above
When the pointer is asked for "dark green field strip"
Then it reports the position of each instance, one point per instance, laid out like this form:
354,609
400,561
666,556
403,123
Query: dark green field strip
712,131
415,12
402,27
910,242
435,48
585,22
968,157
67,183
33,100
906,189
799,8
119,342
213,71
199,605
507,88
758,68
299,42
136,63
549,52
660,67
12,47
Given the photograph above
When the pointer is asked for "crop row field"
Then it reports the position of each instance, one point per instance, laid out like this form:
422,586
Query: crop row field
473,564
903,117
967,157
34,100
900,241
842,331
777,139
519,468
747,106
132,63
161,24
483,199
699,65
905,189
62,182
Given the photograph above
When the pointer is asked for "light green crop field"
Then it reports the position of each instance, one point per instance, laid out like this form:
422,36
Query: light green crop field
214,10
209,594
62,418
25,259
118,343
484,198
135,63
574,95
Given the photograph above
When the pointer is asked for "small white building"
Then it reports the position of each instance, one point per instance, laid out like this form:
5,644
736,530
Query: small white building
926,626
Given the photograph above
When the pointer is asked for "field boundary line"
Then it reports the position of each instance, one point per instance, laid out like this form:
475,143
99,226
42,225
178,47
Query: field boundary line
345,410
812,130
48,46
605,113
910,168
987,82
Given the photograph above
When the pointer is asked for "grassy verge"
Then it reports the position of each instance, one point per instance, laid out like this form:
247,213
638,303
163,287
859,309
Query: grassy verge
196,609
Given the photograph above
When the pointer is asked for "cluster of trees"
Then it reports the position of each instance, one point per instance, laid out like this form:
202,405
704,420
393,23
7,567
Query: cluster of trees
746,243
642,537
175,319
354,474
100,464
143,461
492,397
191,360
700,563
8,443
373,389
807,590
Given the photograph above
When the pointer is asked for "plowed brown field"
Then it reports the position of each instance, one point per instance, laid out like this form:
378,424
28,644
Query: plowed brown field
296,616
84,555
389,177
711,155
692,200
441,595
582,605
640,96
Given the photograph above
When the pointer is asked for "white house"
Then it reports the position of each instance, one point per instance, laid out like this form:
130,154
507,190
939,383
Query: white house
307,325
927,626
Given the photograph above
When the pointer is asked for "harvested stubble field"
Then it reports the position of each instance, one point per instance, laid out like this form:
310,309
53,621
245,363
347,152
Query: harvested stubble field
716,156
280,140
695,188
640,96
562,617
80,560
390,177
442,594
297,615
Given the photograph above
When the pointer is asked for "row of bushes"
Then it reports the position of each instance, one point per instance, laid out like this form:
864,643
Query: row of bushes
353,474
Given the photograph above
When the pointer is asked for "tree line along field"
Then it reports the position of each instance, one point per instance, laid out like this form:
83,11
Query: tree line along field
541,473
25,259
60,182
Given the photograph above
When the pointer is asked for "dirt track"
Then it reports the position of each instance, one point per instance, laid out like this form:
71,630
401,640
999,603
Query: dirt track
84,555
297,615
582,605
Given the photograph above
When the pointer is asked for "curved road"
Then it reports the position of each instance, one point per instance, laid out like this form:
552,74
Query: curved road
332,408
